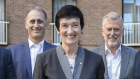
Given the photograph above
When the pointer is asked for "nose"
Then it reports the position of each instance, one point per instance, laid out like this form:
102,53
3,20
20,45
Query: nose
112,32
70,30
36,24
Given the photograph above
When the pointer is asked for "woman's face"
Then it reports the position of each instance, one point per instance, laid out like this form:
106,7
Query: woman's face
69,30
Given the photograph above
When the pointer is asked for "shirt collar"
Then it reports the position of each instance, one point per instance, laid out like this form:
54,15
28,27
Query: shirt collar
31,43
107,50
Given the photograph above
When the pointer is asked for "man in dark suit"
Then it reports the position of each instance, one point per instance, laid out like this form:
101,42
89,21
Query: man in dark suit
6,65
24,54
137,66
118,59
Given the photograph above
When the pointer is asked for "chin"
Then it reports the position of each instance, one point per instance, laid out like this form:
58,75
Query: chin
38,36
71,43
112,44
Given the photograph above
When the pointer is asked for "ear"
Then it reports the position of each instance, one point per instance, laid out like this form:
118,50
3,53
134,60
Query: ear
102,31
58,31
46,25
82,29
123,31
25,24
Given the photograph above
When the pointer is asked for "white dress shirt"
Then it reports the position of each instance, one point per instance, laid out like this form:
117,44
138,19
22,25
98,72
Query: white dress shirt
35,49
113,63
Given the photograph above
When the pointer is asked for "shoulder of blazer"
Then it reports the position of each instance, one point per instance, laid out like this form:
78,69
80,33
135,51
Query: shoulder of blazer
97,49
92,54
93,58
48,53
49,44
4,52
129,49
137,58
138,55
51,51
18,45
18,48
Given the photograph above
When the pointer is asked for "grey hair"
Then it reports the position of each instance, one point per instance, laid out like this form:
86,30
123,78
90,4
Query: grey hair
113,16
38,9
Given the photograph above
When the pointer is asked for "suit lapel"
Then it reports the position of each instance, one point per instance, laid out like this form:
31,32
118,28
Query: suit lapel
124,60
27,60
102,53
64,62
46,47
85,65
79,61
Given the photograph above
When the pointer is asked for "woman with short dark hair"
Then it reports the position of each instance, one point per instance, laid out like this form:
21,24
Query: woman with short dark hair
69,60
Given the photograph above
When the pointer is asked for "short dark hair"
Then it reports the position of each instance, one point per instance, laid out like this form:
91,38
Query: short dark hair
69,11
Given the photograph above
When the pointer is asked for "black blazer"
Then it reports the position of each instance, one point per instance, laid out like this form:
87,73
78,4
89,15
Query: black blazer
6,65
137,66
48,66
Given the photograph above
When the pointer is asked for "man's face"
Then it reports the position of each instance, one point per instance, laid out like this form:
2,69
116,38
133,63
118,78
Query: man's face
36,24
112,32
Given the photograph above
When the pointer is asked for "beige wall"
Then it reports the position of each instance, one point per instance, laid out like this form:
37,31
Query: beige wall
16,11
93,11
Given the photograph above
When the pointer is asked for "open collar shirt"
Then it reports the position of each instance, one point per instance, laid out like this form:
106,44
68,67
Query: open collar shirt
113,63
35,49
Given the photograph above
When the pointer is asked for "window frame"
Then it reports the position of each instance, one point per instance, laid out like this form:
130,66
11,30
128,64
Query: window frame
3,26
126,40
56,39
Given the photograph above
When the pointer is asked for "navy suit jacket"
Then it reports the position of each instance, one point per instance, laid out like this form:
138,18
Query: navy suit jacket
22,59
6,65
137,66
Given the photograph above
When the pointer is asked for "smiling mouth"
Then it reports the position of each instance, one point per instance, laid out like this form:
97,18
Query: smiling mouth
71,36
37,30
112,37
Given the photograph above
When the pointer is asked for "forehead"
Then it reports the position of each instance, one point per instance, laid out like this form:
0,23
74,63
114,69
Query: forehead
112,23
69,20
35,14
